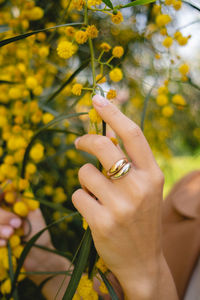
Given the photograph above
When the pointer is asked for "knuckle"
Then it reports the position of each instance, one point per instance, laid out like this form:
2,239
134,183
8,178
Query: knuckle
158,178
123,214
84,170
100,143
133,130
105,228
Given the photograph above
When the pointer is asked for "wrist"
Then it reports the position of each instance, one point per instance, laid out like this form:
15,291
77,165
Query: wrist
148,282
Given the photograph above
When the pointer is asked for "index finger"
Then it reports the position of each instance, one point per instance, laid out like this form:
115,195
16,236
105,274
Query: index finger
132,136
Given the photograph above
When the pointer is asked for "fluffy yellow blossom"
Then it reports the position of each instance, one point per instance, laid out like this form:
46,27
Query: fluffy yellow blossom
162,90
30,168
31,82
111,94
105,47
81,36
103,288
21,209
92,31
66,49
168,2
182,40
14,240
168,41
78,4
184,69
6,287
70,31
178,100
47,117
94,116
156,9
84,224
117,18
116,74
163,31
100,78
15,93
101,265
118,51
85,288
10,197
177,4
161,99
44,51
167,111
94,2
177,34
77,89
36,13
163,20
37,152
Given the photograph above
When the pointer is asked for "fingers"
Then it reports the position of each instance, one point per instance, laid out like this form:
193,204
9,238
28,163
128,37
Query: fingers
8,218
91,178
8,222
88,207
134,141
100,146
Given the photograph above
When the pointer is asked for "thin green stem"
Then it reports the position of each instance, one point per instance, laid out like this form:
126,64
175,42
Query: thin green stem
92,62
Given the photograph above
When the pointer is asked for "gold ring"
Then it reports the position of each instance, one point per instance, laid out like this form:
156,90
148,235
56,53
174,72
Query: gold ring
123,171
117,166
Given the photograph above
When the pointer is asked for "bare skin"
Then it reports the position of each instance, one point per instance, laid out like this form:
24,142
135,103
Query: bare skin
125,221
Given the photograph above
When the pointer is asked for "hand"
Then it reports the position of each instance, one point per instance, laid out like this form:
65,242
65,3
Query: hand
125,221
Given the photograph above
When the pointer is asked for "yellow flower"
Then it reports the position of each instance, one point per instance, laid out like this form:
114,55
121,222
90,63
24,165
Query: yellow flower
184,69
161,100
103,288
84,224
100,78
163,31
111,94
30,168
162,20
156,9
182,40
6,287
15,93
117,18
37,152
101,265
66,49
70,31
116,74
177,4
94,2
17,251
44,51
178,100
167,111
77,89
21,209
14,240
78,4
118,51
81,36
10,197
177,34
168,41
92,31
168,2
31,82
47,117
35,13
105,46
94,116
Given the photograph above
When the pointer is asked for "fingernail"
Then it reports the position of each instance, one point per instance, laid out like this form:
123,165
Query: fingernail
100,101
76,141
16,222
2,243
6,231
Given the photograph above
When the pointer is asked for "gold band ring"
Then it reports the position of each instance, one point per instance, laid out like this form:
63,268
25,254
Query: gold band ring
117,166
123,171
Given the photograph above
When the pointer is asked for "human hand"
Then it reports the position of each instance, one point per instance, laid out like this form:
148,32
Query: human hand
125,221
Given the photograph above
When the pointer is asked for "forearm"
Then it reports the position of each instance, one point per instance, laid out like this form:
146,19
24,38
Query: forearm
145,284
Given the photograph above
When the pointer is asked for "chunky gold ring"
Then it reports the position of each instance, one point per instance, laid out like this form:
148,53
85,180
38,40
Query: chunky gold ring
117,166
123,171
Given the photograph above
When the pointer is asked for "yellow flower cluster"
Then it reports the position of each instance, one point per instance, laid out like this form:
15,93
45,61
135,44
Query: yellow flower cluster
66,49
116,74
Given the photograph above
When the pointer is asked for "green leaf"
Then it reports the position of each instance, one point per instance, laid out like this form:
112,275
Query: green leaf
138,2
82,67
79,266
111,291
15,294
108,3
25,35
28,247
36,135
